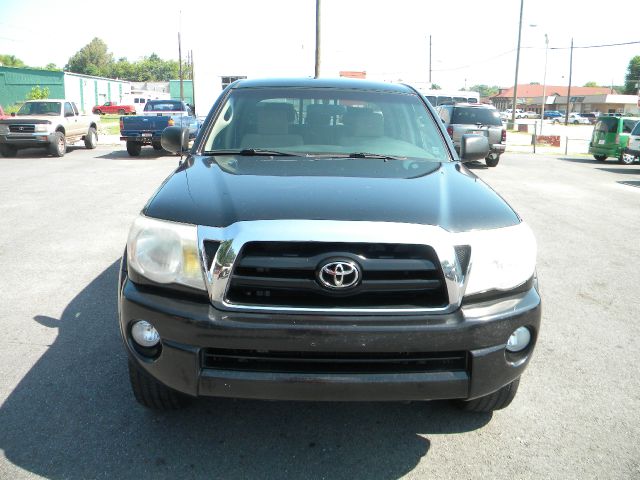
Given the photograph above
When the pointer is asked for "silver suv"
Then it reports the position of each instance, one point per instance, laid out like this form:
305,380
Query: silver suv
468,118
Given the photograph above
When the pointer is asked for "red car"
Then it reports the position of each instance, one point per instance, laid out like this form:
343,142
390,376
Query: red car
111,107
2,115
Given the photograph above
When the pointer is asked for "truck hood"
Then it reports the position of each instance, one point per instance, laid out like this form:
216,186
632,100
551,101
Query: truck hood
221,191
33,119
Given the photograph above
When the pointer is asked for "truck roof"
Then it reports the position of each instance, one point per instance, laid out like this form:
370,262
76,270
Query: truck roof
347,83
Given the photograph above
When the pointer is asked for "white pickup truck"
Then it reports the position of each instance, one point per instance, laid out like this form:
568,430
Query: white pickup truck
51,124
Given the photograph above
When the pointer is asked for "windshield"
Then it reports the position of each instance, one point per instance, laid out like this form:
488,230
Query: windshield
327,122
476,115
40,108
163,106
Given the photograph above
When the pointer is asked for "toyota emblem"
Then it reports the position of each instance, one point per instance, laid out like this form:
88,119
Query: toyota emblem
339,274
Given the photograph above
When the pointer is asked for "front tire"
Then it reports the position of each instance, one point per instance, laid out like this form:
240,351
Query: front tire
91,139
98,112
600,158
8,151
491,161
152,394
494,401
157,146
625,159
134,148
59,145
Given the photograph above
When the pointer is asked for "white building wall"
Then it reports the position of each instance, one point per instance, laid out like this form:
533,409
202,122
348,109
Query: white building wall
88,92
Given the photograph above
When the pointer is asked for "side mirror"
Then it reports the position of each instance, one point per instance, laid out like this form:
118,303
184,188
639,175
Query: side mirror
175,139
473,147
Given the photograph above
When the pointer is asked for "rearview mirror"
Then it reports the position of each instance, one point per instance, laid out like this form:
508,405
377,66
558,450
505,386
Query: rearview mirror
175,139
473,147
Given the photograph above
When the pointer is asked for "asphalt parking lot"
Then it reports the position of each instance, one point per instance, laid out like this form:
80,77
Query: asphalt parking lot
67,410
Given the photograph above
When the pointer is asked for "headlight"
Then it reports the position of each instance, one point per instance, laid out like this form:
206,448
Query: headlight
42,127
165,252
4,129
501,259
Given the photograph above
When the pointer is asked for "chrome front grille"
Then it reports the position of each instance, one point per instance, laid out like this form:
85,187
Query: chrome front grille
272,266
285,274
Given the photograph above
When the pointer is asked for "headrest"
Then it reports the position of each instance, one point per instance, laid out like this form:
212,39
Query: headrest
364,123
274,118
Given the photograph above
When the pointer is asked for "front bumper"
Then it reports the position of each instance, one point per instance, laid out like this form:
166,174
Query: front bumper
28,140
189,327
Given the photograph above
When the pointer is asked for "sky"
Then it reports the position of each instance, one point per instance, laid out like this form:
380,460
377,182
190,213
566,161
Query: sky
473,42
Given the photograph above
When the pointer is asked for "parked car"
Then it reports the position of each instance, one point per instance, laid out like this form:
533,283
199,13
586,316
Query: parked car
577,118
114,108
553,115
146,129
632,151
529,114
52,124
462,119
316,244
592,117
610,138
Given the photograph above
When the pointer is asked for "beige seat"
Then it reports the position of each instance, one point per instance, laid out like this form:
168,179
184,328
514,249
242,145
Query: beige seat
364,127
273,120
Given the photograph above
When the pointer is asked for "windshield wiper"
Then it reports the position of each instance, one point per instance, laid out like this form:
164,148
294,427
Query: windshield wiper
375,155
251,152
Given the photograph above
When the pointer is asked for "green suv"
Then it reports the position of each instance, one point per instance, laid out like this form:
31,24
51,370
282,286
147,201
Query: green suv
610,137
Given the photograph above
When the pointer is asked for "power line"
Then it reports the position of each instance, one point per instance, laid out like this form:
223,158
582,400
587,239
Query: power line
597,46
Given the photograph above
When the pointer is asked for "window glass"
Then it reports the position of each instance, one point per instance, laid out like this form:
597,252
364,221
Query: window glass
163,106
607,125
474,115
40,108
325,121
68,109
627,125
442,100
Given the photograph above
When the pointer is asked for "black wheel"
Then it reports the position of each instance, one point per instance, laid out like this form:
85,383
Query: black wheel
91,139
491,161
600,158
121,112
151,393
626,159
134,148
494,401
575,122
8,151
157,146
98,112
58,147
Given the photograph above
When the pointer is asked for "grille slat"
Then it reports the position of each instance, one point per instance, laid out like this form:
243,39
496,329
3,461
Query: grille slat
284,274
332,362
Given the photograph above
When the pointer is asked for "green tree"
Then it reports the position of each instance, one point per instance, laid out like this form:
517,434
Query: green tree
591,84
51,66
11,61
92,59
486,90
435,86
38,93
534,83
632,78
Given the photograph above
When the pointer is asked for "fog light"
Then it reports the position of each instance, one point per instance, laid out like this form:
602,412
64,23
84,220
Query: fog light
145,334
519,339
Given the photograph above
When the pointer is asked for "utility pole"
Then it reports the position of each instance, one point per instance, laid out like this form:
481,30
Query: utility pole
566,117
430,61
544,81
193,86
317,69
515,84
180,56
180,67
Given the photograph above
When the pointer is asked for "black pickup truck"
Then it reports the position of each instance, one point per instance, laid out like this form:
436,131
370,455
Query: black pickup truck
322,240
